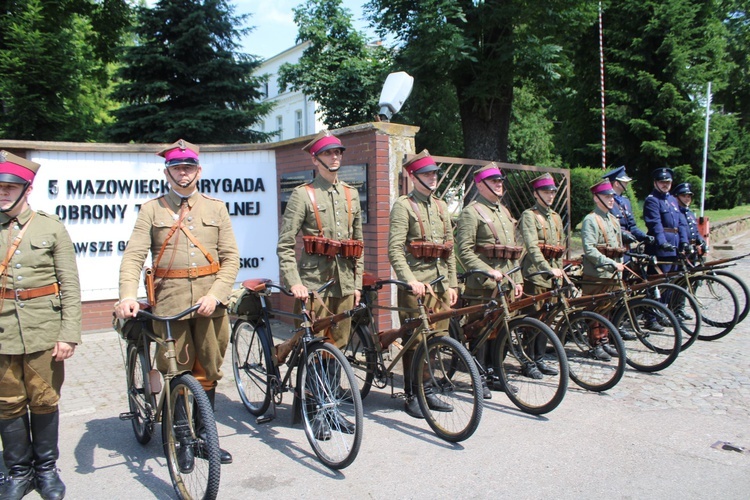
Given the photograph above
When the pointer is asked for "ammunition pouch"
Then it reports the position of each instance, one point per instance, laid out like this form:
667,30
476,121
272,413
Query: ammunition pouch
426,250
551,251
611,252
317,245
499,251
352,249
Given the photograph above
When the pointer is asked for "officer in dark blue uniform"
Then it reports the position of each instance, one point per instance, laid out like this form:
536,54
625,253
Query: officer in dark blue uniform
684,197
666,224
664,220
623,210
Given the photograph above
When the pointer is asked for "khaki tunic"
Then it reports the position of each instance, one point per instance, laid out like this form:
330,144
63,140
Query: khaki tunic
404,229
533,232
200,341
595,263
208,220
313,271
44,256
472,230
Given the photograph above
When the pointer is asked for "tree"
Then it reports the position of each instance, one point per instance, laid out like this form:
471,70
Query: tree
339,70
54,64
184,78
482,48
659,56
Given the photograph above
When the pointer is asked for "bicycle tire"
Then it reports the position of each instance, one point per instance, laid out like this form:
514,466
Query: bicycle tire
679,299
718,304
586,370
654,351
141,400
740,289
533,396
446,372
252,366
331,405
202,482
360,353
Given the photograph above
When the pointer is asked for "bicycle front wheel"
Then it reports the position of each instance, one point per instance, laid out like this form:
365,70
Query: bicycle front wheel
360,353
191,442
515,355
740,289
587,369
331,405
686,310
718,304
448,388
252,366
658,332
140,398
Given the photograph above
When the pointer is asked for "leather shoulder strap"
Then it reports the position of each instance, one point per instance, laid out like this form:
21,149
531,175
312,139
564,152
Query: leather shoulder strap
14,245
311,194
415,207
484,215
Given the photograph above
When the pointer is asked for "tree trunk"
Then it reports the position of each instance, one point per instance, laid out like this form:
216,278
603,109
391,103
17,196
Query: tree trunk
485,126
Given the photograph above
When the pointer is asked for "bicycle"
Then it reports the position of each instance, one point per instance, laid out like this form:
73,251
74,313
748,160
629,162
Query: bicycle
576,327
189,436
738,285
441,368
654,326
662,288
326,395
513,338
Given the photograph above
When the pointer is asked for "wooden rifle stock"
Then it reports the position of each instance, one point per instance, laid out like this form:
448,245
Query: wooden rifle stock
321,324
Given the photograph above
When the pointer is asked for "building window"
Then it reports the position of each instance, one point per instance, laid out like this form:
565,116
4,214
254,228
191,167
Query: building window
280,126
265,90
298,123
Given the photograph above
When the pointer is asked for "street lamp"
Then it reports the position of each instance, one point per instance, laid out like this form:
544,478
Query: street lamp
396,89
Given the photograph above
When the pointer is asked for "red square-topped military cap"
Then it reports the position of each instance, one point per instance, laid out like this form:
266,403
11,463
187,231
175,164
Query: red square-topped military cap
15,169
420,163
323,142
180,153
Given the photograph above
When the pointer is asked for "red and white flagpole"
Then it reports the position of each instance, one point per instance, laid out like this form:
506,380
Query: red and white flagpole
601,85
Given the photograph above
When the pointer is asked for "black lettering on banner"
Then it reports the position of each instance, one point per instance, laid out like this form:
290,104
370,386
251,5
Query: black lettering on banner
250,262
121,245
245,185
92,247
90,212
243,208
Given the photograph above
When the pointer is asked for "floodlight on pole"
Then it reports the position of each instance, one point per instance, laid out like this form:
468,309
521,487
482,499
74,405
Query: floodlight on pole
396,89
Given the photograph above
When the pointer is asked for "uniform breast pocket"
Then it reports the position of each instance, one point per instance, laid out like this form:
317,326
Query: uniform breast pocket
311,220
209,231
42,244
160,229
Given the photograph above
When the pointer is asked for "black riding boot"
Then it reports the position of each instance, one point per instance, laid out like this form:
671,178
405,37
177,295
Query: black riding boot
226,457
18,454
185,453
411,405
44,432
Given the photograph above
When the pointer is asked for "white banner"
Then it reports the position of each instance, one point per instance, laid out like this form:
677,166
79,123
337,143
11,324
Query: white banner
97,195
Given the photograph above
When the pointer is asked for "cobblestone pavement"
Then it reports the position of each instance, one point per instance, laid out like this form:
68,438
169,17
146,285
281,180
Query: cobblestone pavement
650,436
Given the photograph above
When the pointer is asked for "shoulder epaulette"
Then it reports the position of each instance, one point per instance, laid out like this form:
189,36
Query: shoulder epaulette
211,198
50,216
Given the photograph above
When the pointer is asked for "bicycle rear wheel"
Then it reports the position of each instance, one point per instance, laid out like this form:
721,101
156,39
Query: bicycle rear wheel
740,289
718,305
140,399
361,355
331,405
448,388
686,310
252,366
655,350
513,356
586,369
189,430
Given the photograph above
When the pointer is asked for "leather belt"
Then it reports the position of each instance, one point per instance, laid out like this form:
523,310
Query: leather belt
31,293
671,230
190,272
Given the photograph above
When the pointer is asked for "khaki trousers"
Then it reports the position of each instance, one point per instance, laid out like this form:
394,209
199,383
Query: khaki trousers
30,380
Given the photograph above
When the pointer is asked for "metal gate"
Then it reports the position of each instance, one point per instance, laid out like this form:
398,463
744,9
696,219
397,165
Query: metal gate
456,186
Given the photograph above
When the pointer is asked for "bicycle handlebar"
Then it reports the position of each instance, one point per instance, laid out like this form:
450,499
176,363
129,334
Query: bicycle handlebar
403,284
290,294
464,276
165,319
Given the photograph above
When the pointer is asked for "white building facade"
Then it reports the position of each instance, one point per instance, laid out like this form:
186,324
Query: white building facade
293,114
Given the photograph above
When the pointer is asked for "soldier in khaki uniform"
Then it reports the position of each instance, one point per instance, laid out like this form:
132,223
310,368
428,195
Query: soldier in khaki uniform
196,265
543,239
40,326
417,220
328,214
485,241
602,256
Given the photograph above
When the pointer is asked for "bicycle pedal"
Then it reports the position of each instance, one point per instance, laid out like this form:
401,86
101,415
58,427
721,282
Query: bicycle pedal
128,415
264,419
